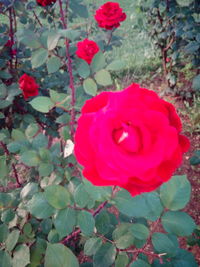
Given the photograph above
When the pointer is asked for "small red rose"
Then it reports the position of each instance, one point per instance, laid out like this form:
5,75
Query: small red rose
168,59
9,43
45,2
130,139
109,15
28,86
86,50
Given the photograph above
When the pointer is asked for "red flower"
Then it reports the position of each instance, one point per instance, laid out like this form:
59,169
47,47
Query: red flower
45,2
28,85
109,16
130,139
9,43
86,50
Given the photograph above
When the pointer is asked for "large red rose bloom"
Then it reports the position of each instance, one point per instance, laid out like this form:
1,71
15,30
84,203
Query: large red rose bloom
109,15
28,86
130,138
45,2
86,50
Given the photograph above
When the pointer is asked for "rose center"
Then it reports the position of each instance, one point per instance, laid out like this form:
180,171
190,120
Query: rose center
127,137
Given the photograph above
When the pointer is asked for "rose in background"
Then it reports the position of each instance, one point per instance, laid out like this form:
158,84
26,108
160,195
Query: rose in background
28,86
109,16
86,50
130,139
45,2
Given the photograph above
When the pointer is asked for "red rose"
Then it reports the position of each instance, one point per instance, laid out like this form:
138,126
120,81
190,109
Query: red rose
28,85
130,139
45,2
86,50
109,15
9,43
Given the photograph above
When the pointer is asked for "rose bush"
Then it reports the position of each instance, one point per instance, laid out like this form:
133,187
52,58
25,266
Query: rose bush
45,2
86,50
110,15
130,138
28,86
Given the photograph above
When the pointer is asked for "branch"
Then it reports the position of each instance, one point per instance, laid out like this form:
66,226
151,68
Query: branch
37,19
13,165
69,67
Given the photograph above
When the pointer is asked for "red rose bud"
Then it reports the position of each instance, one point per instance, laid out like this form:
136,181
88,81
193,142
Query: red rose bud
28,86
9,43
168,59
13,52
86,50
45,2
109,15
130,139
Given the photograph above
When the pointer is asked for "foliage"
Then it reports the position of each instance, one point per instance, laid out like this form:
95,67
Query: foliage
175,32
49,214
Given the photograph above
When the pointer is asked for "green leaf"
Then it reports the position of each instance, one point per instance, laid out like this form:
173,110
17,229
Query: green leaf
196,82
86,222
178,223
31,130
12,239
52,40
92,245
30,158
5,75
39,57
122,236
29,190
3,232
140,263
195,159
139,231
57,196
28,38
192,47
21,256
39,207
121,260
184,259
40,142
45,169
98,62
163,244
132,207
81,196
90,86
103,77
175,194
116,65
53,64
105,256
17,135
7,215
153,205
102,222
83,68
37,252
3,167
58,255
70,34
6,260
5,200
65,221
184,2
42,104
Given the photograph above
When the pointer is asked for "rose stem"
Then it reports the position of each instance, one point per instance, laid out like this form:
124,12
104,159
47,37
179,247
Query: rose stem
69,67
